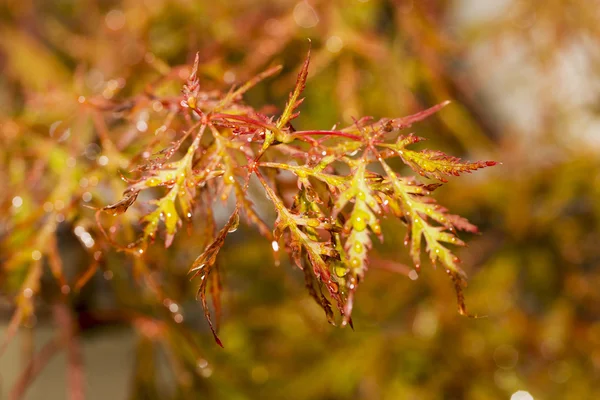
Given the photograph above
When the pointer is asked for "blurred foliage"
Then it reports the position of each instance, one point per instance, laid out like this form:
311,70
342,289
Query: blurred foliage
523,78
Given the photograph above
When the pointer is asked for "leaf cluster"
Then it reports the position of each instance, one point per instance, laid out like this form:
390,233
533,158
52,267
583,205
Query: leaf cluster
344,186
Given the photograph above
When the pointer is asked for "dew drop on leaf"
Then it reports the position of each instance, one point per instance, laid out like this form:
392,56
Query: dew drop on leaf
235,224
358,247
313,222
359,220
340,271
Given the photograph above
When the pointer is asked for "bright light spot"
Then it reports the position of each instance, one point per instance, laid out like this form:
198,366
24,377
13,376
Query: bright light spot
81,99
305,16
521,395
202,363
229,77
206,372
157,106
108,275
27,292
275,245
87,197
79,230
60,217
59,205
142,126
65,289
173,307
103,160
36,255
115,19
17,201
112,85
413,275
178,318
334,44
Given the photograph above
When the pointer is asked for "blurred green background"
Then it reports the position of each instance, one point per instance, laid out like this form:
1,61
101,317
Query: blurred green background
524,80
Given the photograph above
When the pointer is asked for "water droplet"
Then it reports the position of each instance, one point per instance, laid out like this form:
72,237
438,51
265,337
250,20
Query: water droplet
361,195
27,292
153,182
360,220
275,245
313,222
413,275
358,247
17,201
340,271
229,179
36,255
376,228
234,226
334,287
355,263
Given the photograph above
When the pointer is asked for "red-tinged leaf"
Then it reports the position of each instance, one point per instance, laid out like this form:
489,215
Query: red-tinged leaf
459,282
192,87
205,264
310,283
122,205
215,293
394,124
461,223
437,165
294,100
405,122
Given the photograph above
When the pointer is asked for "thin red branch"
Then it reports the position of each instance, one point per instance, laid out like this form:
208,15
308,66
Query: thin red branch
35,366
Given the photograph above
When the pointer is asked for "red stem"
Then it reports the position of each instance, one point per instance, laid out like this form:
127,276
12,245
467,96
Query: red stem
328,133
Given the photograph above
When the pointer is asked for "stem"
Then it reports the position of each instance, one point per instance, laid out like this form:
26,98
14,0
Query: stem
327,133
35,366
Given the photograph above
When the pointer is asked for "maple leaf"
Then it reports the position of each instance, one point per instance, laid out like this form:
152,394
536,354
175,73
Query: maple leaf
432,163
205,265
